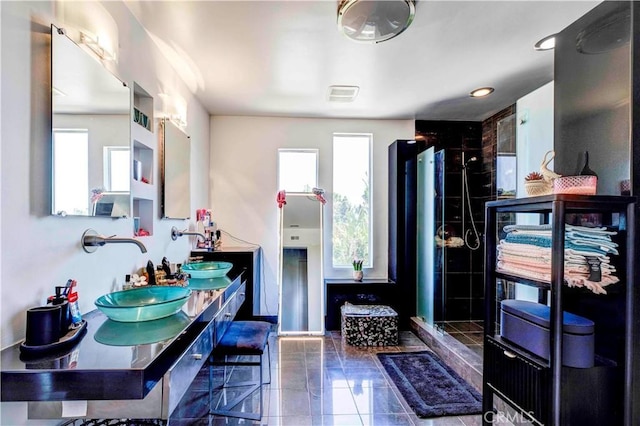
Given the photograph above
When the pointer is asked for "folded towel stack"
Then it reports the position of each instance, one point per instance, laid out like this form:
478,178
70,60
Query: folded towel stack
526,252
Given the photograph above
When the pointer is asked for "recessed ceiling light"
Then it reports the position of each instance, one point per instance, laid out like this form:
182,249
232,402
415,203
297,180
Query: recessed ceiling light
547,43
483,91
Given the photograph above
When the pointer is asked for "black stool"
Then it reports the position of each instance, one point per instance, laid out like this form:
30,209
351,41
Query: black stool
242,339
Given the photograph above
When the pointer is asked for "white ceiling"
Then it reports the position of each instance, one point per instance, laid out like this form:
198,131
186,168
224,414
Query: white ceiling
278,58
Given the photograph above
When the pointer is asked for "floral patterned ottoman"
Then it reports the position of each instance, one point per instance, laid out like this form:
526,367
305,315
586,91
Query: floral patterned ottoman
369,325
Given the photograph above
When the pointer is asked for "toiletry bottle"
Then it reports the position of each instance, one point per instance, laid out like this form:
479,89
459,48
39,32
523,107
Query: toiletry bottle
160,275
61,299
151,273
76,318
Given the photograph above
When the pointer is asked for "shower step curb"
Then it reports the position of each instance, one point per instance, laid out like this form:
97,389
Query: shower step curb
464,361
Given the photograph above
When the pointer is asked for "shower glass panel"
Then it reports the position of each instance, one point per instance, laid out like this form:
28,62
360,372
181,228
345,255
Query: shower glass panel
426,231
439,295
430,256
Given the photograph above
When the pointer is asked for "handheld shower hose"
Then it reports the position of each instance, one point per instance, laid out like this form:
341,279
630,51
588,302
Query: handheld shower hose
466,204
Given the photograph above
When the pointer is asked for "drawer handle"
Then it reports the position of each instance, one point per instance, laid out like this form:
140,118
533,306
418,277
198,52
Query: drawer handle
227,314
196,356
509,354
241,294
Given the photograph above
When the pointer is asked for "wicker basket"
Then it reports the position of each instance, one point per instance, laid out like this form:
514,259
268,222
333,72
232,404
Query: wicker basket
536,188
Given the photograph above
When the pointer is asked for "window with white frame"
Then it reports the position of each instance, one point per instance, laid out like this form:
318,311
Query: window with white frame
351,236
297,170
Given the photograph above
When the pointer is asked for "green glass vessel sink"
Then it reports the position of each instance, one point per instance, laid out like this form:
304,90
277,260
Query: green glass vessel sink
207,269
116,333
143,304
209,283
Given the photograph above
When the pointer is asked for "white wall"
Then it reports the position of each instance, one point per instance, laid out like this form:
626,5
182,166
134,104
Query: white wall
244,182
41,251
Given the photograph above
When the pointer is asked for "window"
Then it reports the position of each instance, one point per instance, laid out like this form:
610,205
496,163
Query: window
297,170
351,199
71,171
116,168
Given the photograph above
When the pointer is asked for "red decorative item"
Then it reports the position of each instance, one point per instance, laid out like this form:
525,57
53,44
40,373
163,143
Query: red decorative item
281,198
319,192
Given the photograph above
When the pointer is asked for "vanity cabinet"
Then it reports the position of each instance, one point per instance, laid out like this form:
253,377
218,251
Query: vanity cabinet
125,370
546,391
143,160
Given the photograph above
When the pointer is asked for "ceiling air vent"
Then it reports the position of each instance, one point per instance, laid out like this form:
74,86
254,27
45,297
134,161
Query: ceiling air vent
343,93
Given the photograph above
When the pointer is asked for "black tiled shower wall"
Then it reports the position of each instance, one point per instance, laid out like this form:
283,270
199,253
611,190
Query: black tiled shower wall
463,289
460,141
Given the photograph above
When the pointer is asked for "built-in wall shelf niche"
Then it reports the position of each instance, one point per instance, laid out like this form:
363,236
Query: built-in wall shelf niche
142,108
142,216
143,181
142,172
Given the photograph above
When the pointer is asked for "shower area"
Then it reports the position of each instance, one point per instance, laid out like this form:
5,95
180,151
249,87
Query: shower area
458,167
451,191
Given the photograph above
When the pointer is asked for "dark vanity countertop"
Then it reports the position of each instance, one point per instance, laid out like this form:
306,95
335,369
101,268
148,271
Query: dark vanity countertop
376,281
106,371
226,249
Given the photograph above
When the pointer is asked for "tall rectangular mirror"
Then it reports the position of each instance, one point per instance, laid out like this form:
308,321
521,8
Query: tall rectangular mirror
301,278
91,142
176,171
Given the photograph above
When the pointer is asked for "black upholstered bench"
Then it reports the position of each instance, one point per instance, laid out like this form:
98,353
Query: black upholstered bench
241,340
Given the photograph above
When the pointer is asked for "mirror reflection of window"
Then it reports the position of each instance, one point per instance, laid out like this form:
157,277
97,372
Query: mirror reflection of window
71,171
297,169
506,178
351,199
116,168
506,159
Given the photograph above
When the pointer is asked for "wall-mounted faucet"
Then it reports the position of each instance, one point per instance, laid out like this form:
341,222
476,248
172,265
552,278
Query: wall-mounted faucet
91,241
175,234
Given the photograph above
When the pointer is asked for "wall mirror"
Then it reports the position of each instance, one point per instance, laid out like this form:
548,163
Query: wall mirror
91,142
176,171
301,283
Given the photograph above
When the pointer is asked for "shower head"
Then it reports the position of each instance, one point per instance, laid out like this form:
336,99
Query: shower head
470,160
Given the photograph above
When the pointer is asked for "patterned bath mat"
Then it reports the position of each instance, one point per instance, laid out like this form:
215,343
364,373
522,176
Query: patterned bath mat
430,387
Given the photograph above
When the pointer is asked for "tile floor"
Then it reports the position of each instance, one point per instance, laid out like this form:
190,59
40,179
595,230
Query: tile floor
318,381
469,333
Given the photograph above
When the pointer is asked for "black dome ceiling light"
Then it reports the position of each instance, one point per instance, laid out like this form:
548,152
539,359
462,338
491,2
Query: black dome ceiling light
374,21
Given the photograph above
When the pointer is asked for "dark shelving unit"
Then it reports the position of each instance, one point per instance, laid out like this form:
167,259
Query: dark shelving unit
545,391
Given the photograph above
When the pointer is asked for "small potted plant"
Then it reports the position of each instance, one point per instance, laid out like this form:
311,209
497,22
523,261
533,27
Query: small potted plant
357,270
535,184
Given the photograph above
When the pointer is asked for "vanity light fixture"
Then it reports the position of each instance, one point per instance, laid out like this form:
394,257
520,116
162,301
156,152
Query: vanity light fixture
93,43
481,92
547,43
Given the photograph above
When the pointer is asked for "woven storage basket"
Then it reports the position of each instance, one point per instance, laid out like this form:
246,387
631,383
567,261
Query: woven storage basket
536,188
585,185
